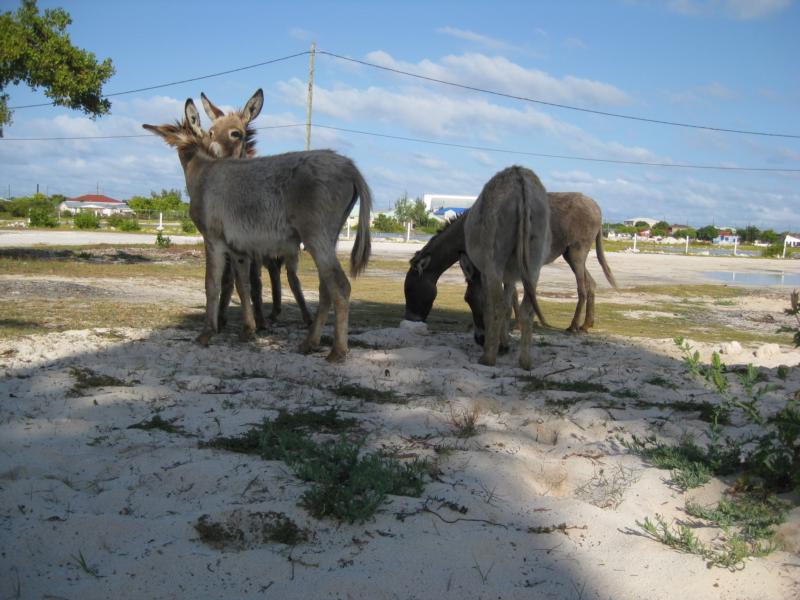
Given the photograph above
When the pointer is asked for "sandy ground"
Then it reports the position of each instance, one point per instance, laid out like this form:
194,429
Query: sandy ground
541,503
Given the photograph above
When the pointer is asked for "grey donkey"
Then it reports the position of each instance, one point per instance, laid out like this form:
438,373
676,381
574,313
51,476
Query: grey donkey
507,237
231,135
575,224
267,206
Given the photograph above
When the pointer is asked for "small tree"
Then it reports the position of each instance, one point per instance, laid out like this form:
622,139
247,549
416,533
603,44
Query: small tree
769,236
387,224
36,50
707,233
86,220
414,211
42,217
661,228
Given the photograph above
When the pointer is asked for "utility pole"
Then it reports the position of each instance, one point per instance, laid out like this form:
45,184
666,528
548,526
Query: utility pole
310,94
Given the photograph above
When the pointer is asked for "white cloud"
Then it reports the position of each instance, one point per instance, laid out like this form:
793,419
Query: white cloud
477,38
502,75
742,10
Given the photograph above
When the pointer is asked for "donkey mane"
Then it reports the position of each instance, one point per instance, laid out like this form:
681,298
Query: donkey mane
250,140
448,222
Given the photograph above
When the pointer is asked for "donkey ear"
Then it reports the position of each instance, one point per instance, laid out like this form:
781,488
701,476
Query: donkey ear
253,106
212,111
466,266
422,264
168,132
193,117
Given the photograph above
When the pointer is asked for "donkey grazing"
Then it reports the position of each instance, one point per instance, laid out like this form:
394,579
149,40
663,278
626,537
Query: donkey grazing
507,236
575,223
267,206
231,135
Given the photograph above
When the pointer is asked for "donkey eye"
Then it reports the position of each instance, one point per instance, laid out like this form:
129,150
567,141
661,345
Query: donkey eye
211,133
236,134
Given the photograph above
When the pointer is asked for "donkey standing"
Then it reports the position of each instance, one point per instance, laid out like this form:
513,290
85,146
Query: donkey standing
507,237
575,224
267,206
231,135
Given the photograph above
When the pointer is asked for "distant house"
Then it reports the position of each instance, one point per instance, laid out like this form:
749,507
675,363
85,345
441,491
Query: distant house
633,222
726,238
673,229
435,202
792,241
96,203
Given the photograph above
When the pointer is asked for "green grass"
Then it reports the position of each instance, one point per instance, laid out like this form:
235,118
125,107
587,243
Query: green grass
353,390
86,379
346,483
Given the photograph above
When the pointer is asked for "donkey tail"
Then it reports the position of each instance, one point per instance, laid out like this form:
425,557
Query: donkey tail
359,256
601,258
523,234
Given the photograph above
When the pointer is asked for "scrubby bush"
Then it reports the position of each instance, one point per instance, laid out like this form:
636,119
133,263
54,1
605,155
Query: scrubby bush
387,224
42,217
187,226
86,220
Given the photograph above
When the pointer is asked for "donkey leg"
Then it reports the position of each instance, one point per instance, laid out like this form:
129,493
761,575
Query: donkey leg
225,293
493,315
509,303
242,268
315,332
526,334
215,266
297,290
256,288
579,269
590,287
339,287
274,269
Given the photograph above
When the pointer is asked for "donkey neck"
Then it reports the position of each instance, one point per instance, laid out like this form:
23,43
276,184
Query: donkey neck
445,247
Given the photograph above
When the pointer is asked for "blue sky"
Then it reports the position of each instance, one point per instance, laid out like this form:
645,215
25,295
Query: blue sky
722,63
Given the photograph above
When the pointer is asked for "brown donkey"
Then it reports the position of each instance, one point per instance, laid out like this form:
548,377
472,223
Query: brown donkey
232,136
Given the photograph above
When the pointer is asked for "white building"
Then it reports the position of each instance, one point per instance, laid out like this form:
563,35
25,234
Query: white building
434,202
633,222
96,203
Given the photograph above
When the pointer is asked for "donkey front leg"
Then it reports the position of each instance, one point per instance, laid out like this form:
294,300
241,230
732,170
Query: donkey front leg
215,266
297,290
255,294
274,269
339,289
241,266
225,294
315,333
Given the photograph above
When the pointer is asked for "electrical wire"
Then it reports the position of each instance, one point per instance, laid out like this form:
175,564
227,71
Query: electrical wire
555,104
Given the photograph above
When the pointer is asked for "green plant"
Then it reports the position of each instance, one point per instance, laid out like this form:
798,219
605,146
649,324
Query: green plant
793,311
163,241
86,220
42,217
187,226
347,484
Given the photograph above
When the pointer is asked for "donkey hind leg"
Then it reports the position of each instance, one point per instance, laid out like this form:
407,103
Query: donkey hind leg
339,290
494,312
510,303
216,257
274,269
579,269
225,293
256,287
590,287
241,266
297,290
526,313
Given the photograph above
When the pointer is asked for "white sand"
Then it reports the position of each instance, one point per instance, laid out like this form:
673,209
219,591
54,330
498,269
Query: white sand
76,482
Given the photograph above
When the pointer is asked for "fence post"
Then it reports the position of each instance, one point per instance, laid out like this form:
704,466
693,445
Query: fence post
160,222
408,231
634,242
687,245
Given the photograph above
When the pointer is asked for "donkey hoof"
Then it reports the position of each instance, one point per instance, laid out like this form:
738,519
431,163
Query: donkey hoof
336,356
525,362
488,361
307,347
203,339
503,349
572,329
245,335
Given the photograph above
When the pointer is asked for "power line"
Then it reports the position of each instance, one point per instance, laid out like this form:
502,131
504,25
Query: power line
163,85
116,137
446,144
555,104
561,156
